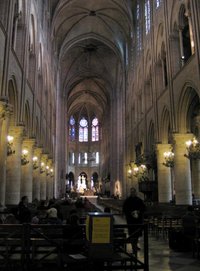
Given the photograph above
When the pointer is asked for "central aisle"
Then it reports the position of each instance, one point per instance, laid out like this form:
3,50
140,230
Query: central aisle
161,257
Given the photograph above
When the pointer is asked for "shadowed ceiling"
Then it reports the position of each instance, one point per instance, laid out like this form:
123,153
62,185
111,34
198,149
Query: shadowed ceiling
90,39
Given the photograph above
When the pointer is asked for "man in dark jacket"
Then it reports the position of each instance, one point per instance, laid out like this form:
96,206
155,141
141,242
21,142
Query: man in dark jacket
133,209
24,214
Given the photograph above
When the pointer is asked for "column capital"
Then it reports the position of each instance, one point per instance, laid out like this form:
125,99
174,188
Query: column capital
28,143
163,147
16,131
38,151
179,139
44,157
49,162
5,110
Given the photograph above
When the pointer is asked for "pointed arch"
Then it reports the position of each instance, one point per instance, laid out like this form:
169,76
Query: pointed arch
151,137
27,119
188,104
37,130
13,100
165,126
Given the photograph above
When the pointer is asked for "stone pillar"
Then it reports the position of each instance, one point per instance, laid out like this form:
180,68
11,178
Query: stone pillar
43,179
13,169
52,170
195,165
195,175
27,170
182,173
49,183
5,112
165,187
36,174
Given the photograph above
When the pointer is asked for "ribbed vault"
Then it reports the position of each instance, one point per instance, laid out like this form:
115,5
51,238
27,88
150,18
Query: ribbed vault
90,39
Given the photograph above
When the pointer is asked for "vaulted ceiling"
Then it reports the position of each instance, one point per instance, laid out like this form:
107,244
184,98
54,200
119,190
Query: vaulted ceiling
90,39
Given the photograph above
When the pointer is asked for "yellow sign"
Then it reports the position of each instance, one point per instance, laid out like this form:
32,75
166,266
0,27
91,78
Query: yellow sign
101,230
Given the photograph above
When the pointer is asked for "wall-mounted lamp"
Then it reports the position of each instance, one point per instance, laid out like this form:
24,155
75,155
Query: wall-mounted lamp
10,149
193,149
42,167
35,162
169,159
47,170
24,157
138,171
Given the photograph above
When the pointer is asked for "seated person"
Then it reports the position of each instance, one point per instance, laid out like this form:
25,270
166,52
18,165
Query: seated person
73,236
52,217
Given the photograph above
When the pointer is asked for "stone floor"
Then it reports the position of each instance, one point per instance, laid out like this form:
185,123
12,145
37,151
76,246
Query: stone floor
161,257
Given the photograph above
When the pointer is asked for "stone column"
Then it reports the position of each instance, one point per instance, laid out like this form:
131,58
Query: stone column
13,169
5,112
36,174
195,166
43,179
164,175
49,183
52,170
27,170
195,175
182,173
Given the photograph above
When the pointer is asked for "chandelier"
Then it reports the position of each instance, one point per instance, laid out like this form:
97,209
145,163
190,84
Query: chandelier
138,171
51,172
24,157
35,162
193,149
10,149
169,159
42,167
47,170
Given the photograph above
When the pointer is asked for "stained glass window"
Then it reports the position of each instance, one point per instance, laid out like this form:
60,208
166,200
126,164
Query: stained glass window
73,158
72,128
147,16
83,130
95,130
97,157
158,2
138,28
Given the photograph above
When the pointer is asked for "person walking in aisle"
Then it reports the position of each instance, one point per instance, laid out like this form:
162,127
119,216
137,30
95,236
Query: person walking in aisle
133,209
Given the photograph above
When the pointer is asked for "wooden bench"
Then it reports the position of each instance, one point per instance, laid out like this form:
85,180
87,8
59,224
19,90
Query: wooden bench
31,246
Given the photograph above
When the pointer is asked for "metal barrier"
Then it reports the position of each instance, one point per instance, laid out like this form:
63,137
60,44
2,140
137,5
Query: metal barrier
27,246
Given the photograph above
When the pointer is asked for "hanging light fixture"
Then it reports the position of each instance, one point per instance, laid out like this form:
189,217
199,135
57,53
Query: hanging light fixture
169,159
35,162
24,157
10,149
47,170
138,171
42,167
193,149
51,172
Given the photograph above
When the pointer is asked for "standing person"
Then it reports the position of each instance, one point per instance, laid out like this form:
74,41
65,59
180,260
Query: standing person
133,209
24,214
190,222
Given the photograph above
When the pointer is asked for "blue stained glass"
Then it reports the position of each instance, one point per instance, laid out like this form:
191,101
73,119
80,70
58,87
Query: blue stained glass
72,120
